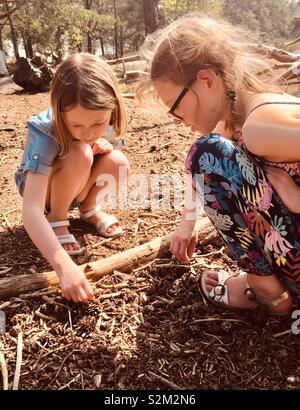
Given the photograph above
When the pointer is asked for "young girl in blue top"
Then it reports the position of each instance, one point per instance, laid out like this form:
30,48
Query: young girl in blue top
67,148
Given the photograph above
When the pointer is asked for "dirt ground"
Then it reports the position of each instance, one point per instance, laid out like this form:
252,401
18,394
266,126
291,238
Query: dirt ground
150,329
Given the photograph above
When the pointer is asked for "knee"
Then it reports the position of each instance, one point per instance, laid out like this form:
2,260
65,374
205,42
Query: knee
215,144
204,155
117,161
81,156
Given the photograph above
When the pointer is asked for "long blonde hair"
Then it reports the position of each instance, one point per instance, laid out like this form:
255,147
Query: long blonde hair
89,81
194,42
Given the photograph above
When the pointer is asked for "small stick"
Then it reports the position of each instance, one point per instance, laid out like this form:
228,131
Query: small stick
102,242
4,371
162,224
42,316
144,266
4,270
19,361
108,295
285,332
165,381
8,224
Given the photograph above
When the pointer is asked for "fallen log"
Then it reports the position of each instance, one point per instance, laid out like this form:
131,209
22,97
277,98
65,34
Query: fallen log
128,59
34,74
124,262
278,54
130,75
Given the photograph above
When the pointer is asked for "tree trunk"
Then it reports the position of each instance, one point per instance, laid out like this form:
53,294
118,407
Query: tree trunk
150,16
59,42
102,46
89,42
30,48
116,31
124,262
13,33
25,46
1,39
121,41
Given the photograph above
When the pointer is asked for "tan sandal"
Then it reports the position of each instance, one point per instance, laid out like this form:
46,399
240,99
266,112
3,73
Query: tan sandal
219,294
69,238
102,226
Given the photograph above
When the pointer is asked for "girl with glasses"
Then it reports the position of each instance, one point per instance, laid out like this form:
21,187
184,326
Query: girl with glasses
245,165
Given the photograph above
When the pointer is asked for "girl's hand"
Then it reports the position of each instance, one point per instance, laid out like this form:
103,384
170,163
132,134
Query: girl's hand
75,286
102,146
184,240
285,187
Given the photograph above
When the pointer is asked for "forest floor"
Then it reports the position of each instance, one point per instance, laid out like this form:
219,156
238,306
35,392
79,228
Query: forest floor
150,329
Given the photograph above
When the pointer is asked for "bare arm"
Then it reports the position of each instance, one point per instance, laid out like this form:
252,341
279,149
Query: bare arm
276,137
185,236
273,134
73,282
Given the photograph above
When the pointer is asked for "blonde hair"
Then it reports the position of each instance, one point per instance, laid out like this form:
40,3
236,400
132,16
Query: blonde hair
194,42
89,81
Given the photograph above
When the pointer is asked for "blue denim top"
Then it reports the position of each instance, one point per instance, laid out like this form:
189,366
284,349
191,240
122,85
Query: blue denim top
41,147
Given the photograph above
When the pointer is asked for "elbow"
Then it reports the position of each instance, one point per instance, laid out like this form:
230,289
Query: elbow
30,213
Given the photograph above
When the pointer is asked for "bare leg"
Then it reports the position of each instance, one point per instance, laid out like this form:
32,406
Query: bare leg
104,164
266,286
68,178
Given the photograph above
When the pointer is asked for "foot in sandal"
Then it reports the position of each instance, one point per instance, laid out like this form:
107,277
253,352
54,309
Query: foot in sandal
240,292
64,237
106,225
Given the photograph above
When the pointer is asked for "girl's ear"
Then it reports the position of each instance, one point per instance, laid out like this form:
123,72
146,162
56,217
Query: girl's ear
209,76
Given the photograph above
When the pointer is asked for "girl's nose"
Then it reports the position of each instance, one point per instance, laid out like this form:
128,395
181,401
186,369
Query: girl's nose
86,133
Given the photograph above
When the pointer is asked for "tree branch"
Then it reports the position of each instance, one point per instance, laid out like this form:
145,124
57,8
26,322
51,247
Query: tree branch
278,54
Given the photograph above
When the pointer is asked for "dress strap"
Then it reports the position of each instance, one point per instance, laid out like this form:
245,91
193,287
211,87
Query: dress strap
272,102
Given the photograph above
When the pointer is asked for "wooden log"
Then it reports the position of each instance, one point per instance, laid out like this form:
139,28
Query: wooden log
124,262
129,59
278,54
130,75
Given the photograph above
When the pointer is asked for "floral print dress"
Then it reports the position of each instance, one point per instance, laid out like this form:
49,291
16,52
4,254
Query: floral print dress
262,235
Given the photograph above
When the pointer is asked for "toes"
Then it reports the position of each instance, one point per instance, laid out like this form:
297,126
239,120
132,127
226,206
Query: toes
112,228
71,247
76,246
212,275
211,282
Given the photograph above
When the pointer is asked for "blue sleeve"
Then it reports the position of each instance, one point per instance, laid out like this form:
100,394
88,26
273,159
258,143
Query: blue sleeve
110,136
41,148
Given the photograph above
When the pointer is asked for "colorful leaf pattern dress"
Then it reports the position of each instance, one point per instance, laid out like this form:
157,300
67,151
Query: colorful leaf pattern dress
262,235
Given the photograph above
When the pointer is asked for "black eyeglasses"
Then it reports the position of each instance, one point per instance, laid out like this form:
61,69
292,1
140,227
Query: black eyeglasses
179,98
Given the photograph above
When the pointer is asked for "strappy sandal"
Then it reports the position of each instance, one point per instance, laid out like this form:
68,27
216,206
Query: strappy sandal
102,226
219,294
69,238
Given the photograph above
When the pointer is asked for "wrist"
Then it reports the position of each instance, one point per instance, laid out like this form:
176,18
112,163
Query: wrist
189,216
63,263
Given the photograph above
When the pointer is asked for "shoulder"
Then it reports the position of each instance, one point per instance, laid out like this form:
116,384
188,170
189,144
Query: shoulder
269,124
41,122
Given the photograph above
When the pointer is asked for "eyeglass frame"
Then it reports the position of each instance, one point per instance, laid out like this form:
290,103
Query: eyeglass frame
179,99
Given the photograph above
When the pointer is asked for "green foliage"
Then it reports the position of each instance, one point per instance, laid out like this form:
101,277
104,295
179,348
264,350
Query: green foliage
272,19
72,24
176,8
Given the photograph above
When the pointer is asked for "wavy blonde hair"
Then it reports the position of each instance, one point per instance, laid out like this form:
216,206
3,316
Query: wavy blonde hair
89,81
194,42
